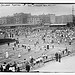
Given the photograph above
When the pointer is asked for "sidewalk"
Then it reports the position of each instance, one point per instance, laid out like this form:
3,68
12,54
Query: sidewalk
67,65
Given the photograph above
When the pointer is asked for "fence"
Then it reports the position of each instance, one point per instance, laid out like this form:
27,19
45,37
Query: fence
40,61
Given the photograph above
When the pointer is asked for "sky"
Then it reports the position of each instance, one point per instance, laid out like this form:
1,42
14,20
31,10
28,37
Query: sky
57,9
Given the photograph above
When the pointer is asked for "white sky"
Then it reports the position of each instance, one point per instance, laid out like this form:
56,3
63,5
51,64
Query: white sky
57,9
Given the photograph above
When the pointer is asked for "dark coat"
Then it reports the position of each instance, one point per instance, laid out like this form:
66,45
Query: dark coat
56,55
27,67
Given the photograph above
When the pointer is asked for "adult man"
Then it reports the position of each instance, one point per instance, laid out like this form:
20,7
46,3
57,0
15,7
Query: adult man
27,67
56,56
47,46
59,57
66,50
31,61
7,67
1,68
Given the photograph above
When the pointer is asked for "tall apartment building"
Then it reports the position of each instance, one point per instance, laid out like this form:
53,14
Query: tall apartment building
58,20
10,20
34,20
52,18
63,19
44,18
21,18
48,18
67,18
3,20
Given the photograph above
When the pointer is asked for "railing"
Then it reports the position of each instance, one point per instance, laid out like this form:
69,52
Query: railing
40,61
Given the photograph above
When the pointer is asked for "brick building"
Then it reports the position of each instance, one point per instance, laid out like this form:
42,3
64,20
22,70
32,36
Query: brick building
48,18
10,20
21,18
63,19
34,20
3,20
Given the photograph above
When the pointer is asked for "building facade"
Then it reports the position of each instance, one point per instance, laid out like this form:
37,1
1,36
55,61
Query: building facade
63,19
34,20
59,20
3,20
27,18
48,18
21,18
52,18
44,18
10,20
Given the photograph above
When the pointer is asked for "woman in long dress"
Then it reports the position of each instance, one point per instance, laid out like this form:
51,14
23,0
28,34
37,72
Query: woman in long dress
7,55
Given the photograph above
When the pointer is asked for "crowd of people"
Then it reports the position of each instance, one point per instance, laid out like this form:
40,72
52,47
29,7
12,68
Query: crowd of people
39,38
27,65
13,67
